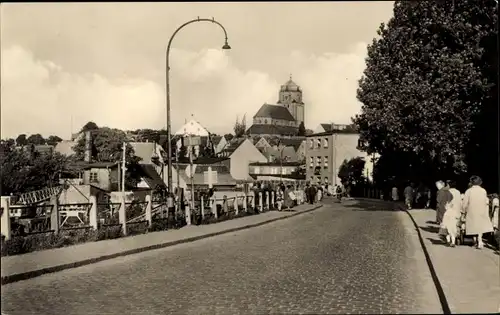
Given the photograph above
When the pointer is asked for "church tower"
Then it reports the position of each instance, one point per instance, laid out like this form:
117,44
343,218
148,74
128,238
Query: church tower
290,96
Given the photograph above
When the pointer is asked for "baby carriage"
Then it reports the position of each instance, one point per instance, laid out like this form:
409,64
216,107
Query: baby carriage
461,230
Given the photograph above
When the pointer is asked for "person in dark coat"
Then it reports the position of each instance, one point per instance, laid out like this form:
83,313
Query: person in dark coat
443,197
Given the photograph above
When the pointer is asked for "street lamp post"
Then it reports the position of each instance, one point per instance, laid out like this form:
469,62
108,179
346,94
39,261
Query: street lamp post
167,86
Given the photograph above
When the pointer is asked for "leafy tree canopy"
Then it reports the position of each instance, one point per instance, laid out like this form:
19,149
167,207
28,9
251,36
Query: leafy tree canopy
36,139
23,172
240,127
89,126
426,81
21,140
53,140
351,171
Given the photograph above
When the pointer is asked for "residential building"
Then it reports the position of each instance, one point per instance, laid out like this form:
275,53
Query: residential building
221,178
104,175
276,171
326,151
219,143
282,119
241,152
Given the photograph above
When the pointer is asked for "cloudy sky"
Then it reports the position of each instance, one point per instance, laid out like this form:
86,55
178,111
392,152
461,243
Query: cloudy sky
64,64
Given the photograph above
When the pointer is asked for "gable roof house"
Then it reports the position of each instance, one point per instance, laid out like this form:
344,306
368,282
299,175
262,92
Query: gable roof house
241,152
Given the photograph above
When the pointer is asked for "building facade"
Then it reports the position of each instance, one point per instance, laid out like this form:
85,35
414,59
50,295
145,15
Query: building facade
326,151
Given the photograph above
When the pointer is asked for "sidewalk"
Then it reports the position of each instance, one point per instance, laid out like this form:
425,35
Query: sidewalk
470,278
30,265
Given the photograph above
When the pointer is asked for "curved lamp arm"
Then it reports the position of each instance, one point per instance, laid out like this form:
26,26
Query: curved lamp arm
226,45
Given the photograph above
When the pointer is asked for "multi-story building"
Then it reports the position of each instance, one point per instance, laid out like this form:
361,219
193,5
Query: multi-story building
325,152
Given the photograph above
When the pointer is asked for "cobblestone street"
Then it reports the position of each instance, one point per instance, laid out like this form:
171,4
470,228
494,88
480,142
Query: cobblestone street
350,258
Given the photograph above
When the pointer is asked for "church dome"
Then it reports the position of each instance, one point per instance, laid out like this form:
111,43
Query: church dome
290,86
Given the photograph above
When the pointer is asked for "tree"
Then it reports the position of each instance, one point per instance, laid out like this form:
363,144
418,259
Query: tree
21,140
240,127
36,139
228,136
53,140
107,146
424,85
22,172
351,171
89,126
302,129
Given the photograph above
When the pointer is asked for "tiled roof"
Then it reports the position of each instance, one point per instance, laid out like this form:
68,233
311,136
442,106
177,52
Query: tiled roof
276,164
223,175
272,130
274,112
151,177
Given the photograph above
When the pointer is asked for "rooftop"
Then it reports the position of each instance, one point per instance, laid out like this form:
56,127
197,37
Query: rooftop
274,112
258,129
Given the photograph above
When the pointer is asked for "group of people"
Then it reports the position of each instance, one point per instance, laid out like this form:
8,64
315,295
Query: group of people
473,208
472,212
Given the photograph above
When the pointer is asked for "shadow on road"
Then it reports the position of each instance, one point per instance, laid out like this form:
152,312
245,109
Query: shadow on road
431,222
430,229
361,205
436,242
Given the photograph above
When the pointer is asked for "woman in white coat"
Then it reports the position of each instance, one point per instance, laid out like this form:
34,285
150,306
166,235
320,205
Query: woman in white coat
475,206
452,215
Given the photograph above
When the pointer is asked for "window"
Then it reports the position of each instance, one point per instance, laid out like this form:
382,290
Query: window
274,170
318,143
325,162
311,144
318,180
325,143
283,171
326,180
94,178
311,161
360,143
256,170
318,161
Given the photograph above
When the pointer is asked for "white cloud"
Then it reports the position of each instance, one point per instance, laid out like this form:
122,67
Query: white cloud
41,97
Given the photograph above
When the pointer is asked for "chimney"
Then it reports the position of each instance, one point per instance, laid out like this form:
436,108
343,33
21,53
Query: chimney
88,146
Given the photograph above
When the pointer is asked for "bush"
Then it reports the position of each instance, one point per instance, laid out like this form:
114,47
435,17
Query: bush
137,228
109,232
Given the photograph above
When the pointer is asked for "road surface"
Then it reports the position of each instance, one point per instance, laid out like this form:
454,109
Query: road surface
351,258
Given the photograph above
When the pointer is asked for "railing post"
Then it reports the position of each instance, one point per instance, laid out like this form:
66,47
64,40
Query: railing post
253,200
261,202
93,212
54,214
245,201
149,206
202,205
268,205
188,214
122,215
272,199
236,210
5,219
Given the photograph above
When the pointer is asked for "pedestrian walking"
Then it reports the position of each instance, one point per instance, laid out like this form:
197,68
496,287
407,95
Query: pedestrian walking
409,192
395,194
475,207
452,214
442,198
289,198
279,197
319,194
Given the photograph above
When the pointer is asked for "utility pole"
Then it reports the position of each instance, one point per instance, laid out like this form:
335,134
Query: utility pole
192,170
123,214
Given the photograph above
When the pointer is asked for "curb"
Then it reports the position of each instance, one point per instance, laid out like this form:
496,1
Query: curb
36,273
442,297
